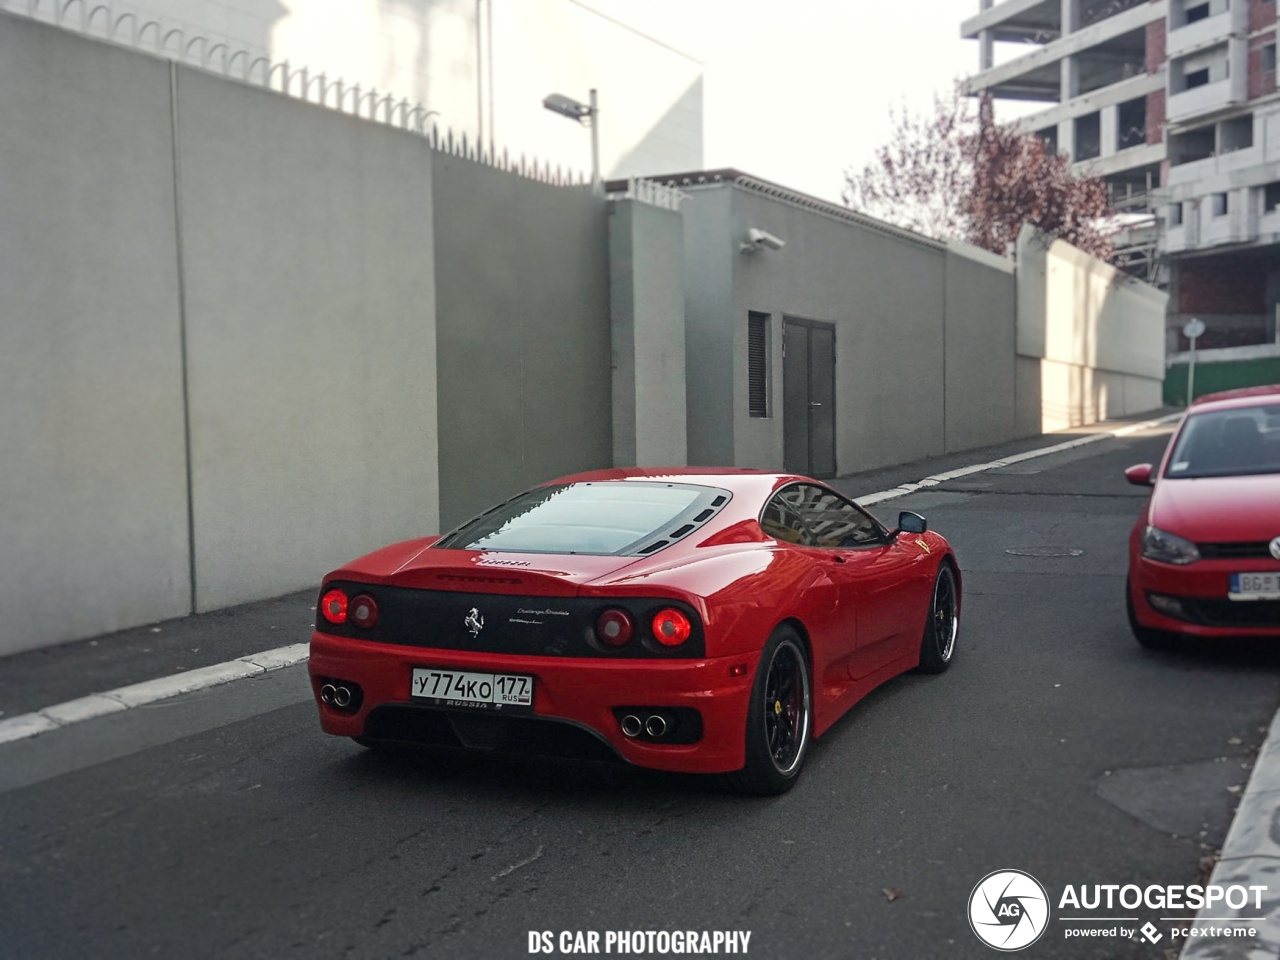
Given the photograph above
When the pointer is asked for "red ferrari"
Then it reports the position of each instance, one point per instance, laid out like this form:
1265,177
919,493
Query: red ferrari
696,620
1204,557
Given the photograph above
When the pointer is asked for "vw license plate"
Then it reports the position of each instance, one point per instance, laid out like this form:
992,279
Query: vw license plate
459,688
1255,586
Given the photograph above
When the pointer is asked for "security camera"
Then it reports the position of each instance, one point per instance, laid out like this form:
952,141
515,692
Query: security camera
757,238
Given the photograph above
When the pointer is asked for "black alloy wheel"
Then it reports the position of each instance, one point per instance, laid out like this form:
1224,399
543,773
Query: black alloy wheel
779,718
938,645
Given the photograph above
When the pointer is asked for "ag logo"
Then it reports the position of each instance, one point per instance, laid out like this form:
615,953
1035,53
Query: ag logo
1008,910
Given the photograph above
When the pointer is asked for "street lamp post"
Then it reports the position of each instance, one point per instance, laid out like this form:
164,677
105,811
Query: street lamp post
588,113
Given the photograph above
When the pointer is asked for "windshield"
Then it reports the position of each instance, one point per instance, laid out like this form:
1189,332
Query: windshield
612,517
1227,443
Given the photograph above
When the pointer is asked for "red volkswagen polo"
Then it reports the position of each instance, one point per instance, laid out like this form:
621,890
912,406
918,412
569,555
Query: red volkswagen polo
1204,557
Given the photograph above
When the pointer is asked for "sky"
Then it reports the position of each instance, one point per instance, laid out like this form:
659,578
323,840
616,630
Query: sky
797,92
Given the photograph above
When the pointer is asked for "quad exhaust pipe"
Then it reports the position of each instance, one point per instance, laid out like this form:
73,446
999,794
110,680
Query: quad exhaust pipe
327,693
341,697
631,725
656,726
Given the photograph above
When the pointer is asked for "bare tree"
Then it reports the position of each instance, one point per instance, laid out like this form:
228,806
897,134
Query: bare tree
919,179
956,174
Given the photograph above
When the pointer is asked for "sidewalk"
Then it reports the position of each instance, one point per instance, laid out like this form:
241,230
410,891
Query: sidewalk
1250,857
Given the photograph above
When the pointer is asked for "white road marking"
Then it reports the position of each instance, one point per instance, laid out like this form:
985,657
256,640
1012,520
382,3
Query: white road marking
86,708
137,694
256,664
932,481
163,688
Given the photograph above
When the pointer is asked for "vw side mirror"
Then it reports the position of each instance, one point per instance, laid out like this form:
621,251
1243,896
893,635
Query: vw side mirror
1139,475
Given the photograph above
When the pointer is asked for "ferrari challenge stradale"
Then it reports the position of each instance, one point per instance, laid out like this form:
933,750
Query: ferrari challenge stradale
695,620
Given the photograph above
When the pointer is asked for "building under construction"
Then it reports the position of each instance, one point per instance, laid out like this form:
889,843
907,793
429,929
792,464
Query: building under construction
1174,104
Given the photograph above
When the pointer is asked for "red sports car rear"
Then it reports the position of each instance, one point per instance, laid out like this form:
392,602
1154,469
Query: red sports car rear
700,621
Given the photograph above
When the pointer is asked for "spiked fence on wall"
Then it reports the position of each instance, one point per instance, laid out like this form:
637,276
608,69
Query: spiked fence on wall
101,21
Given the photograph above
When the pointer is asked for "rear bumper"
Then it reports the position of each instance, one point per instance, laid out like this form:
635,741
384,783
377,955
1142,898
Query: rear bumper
577,692
1192,600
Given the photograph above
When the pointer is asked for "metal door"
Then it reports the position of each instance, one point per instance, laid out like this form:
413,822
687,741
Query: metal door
809,397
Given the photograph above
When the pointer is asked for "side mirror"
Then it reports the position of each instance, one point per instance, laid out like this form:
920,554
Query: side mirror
1139,475
909,522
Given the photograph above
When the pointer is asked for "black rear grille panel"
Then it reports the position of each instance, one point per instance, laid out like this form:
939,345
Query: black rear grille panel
1241,550
1234,613
526,736
519,625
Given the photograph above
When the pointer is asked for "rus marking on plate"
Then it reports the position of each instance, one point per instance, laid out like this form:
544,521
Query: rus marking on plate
1043,551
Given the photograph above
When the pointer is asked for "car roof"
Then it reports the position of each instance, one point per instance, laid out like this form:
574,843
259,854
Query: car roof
737,480
1242,397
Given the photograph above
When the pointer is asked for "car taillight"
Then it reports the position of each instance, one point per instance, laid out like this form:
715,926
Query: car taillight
364,611
614,628
671,627
333,606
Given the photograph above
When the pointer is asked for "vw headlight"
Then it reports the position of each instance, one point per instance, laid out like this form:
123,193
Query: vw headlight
1160,545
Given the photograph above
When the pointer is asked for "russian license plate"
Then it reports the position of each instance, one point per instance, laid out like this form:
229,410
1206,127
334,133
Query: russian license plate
483,690
1255,586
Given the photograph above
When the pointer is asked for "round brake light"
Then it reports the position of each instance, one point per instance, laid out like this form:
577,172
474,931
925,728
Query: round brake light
333,606
614,628
671,627
364,611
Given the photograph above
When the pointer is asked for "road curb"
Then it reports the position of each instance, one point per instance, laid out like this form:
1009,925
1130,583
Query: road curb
1250,857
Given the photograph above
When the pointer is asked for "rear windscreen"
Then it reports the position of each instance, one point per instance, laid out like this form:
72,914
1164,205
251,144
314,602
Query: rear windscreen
610,517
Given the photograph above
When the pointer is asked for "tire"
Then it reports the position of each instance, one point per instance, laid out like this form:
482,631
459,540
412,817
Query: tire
779,718
938,645
1147,637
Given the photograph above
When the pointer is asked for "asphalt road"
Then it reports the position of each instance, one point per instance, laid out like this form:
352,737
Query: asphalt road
223,824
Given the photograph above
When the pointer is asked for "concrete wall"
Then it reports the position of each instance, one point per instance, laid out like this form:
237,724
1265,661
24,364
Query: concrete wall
982,399
939,348
924,332
884,294
93,489
1098,334
522,302
242,347
283,257
710,247
310,316
646,260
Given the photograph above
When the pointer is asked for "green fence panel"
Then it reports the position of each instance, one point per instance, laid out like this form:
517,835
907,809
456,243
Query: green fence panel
1224,375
